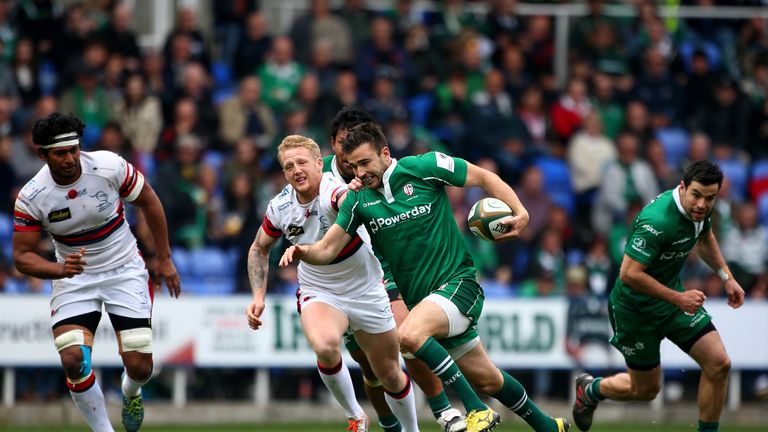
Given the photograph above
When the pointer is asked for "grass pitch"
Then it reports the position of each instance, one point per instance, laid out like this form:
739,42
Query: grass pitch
330,427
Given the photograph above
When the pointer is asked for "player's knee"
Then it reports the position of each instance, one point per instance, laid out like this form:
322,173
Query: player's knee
718,368
75,352
410,341
72,360
139,368
135,339
327,349
647,393
488,383
393,380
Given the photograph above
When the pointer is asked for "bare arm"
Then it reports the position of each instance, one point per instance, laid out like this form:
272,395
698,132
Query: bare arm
27,260
155,216
320,253
496,187
633,274
258,269
709,251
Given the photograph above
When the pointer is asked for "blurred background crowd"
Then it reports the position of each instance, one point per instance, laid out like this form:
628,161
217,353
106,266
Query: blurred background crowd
201,114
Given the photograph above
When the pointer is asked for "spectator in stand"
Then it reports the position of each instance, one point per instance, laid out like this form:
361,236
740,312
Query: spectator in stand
185,122
381,50
638,123
503,24
699,84
253,46
384,103
317,104
280,75
25,161
699,148
590,152
344,92
584,28
120,38
196,86
244,114
140,115
8,180
186,24
657,88
321,65
534,116
516,76
537,202
570,109
25,69
320,24
358,19
626,180
153,70
727,118
88,101
605,102
538,44
745,247
427,66
665,173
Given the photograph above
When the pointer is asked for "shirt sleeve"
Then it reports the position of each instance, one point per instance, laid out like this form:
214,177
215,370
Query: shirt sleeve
128,179
645,241
349,218
269,223
25,218
440,167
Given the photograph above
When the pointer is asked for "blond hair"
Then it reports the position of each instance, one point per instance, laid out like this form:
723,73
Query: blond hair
298,141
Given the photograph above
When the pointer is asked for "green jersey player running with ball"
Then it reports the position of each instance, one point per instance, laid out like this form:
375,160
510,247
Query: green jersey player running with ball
649,303
406,210
449,418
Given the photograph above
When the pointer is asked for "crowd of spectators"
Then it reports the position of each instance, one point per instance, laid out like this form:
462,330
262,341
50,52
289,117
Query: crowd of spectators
201,116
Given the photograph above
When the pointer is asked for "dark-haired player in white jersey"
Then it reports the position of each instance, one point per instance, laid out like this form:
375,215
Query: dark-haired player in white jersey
405,209
77,197
346,292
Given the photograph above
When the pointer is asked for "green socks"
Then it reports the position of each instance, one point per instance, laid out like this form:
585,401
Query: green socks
390,424
438,404
442,365
708,426
514,397
593,391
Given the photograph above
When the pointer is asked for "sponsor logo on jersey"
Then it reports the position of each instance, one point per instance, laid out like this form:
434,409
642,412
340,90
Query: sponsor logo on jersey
639,242
415,212
294,230
31,196
674,255
408,189
372,203
310,212
59,215
681,241
283,206
652,230
103,200
73,194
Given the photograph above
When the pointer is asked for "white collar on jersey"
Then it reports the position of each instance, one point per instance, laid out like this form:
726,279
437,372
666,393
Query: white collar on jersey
676,196
335,168
385,181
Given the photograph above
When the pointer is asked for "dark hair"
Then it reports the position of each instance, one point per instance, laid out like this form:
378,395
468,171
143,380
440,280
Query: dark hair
56,124
364,133
704,172
347,118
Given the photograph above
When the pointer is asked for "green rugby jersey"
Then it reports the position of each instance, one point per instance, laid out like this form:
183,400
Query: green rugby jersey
662,237
411,223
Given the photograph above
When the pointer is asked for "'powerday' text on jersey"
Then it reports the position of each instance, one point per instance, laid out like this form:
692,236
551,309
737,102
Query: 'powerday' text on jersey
662,237
355,270
87,213
411,223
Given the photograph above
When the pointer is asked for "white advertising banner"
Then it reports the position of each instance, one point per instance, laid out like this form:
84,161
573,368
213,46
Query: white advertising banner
212,332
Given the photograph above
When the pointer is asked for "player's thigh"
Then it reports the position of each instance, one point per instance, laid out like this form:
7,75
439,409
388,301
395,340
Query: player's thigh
382,349
709,352
371,312
686,330
479,369
127,291
399,310
323,319
637,338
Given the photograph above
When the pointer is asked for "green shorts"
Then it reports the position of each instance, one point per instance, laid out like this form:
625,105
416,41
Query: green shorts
394,294
468,297
638,335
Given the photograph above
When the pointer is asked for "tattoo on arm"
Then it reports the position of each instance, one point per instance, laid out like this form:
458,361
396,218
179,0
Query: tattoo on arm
258,260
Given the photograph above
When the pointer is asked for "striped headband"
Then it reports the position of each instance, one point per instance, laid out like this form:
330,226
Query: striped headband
63,140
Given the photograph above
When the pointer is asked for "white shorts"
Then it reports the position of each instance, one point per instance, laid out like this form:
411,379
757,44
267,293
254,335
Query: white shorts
125,291
369,312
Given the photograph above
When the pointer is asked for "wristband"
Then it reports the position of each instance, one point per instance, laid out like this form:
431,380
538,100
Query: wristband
724,276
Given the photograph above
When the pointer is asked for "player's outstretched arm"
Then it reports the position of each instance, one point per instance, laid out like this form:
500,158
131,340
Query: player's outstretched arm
27,260
709,251
497,188
633,274
258,269
320,253
155,216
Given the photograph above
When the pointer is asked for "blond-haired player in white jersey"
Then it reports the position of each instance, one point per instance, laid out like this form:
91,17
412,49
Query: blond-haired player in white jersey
77,197
348,292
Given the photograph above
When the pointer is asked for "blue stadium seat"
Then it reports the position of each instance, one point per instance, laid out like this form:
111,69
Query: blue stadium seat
6,234
557,182
762,209
420,106
183,262
675,142
215,269
737,174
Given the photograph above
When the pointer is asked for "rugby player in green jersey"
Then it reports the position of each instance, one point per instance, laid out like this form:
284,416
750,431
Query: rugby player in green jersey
449,418
405,209
649,303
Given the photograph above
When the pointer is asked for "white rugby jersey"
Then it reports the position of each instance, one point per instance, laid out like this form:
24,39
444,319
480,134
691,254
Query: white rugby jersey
88,213
355,269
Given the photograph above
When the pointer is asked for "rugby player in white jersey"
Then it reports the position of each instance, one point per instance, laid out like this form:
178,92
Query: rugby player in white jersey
347,292
77,197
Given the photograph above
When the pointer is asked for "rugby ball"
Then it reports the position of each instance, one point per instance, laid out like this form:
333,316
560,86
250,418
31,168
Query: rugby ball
483,218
